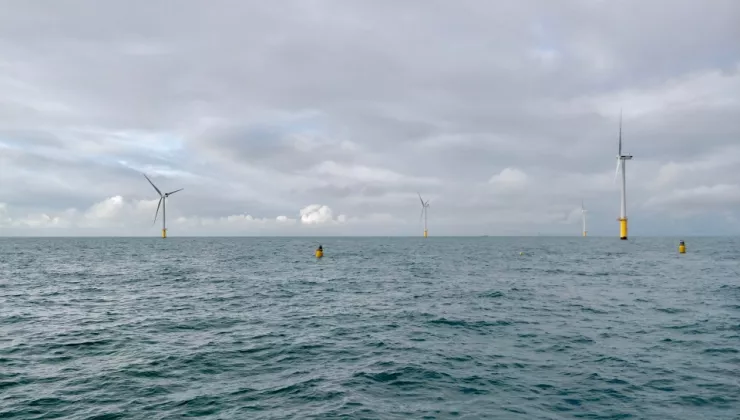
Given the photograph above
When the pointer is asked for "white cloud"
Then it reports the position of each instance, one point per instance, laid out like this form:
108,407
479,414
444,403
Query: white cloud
284,220
691,201
718,164
547,58
332,171
135,218
116,211
315,214
33,220
4,218
509,180
42,220
703,90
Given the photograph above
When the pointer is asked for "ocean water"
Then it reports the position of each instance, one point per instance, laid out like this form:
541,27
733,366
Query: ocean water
380,328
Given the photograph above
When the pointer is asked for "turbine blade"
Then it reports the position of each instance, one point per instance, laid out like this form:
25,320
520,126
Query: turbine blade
421,216
619,164
157,212
620,131
170,193
420,199
155,187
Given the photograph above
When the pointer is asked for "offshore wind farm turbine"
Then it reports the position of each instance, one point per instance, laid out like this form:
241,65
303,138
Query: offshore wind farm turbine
163,203
424,208
583,216
621,164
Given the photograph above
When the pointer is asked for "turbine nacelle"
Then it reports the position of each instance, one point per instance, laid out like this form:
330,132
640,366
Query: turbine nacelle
172,192
620,159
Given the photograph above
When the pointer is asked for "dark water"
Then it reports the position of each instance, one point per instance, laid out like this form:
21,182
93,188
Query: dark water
378,329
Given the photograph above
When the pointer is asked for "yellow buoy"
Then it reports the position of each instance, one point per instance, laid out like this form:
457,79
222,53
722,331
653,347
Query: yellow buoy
681,247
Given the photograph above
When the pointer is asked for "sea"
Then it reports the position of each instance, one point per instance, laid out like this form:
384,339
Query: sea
379,328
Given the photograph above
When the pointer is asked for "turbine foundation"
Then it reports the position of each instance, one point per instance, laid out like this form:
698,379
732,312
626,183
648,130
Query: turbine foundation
164,233
426,233
623,229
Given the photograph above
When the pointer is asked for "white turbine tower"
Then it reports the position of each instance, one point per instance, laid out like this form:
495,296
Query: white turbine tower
622,164
163,203
583,216
424,207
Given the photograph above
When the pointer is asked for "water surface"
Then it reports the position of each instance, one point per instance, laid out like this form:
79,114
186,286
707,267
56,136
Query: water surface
396,328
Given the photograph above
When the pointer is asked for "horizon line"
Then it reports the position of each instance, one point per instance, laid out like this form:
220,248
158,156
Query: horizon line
361,236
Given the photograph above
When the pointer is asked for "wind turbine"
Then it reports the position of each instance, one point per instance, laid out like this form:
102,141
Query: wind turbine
163,203
424,207
622,164
583,216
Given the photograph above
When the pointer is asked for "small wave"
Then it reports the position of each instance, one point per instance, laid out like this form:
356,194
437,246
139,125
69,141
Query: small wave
80,344
108,416
14,319
694,328
474,325
405,376
724,350
474,391
608,359
492,294
694,400
681,342
590,310
10,384
671,310
665,385
291,389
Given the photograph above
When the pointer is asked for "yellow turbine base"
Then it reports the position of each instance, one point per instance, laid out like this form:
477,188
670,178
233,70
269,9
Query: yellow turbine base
319,253
584,233
164,233
682,249
623,229
426,234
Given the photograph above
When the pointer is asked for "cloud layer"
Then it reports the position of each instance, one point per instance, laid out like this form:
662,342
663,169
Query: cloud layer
327,117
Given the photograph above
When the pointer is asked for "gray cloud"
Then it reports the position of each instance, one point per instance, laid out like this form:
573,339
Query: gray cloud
263,109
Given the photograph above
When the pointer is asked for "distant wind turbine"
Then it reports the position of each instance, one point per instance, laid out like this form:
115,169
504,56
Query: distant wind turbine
424,208
622,163
163,203
583,216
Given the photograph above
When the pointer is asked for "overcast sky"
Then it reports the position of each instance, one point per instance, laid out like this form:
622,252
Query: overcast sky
327,117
